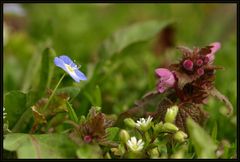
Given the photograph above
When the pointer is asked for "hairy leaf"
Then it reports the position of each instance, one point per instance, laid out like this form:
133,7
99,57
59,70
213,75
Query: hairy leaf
214,92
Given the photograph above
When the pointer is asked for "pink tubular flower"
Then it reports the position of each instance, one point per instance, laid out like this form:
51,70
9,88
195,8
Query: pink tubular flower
167,79
215,47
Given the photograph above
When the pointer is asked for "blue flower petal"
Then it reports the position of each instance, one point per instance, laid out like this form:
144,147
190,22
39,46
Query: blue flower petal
64,61
67,60
75,77
80,74
59,62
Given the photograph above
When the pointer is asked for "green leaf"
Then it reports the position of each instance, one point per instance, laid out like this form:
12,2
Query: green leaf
112,133
18,109
71,112
71,91
98,96
130,35
31,72
95,97
47,67
214,132
87,151
40,146
15,105
202,142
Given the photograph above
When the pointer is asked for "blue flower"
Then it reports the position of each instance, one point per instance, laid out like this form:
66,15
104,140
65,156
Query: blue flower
70,67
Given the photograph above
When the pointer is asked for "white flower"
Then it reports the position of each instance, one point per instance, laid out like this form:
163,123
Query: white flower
4,113
144,124
135,145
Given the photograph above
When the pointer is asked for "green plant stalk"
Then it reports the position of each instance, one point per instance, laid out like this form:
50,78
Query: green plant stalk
54,91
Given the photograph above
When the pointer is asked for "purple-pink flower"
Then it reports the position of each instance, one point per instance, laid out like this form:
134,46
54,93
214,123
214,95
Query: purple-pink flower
188,65
166,81
215,47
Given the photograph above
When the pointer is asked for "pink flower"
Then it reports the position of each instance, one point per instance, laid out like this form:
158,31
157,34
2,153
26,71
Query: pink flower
215,47
166,81
188,65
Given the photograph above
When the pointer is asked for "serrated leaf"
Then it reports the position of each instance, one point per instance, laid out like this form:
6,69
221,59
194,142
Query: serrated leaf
202,142
40,146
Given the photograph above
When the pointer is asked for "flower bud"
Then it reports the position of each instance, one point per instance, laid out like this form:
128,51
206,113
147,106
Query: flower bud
87,138
200,71
188,65
154,153
171,114
124,136
199,62
130,122
180,136
158,127
206,59
169,127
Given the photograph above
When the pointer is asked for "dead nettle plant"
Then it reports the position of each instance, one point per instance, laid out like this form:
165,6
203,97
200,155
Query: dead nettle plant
186,84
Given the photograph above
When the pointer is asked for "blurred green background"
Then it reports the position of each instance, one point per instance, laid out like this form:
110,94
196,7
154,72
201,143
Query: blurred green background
78,31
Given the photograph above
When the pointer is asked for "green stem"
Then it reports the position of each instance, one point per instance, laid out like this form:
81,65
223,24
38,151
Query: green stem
54,91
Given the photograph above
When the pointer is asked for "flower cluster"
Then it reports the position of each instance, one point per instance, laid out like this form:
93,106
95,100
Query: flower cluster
193,74
148,135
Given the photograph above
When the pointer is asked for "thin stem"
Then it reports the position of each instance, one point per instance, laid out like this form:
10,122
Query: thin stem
54,91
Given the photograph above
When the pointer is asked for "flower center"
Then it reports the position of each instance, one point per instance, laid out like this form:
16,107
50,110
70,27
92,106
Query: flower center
70,68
